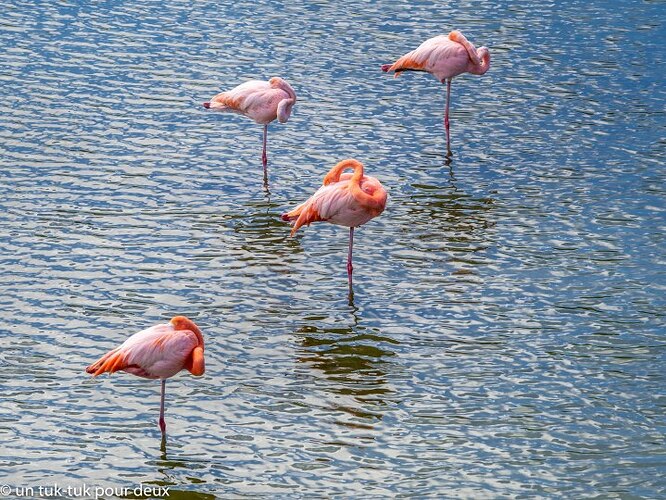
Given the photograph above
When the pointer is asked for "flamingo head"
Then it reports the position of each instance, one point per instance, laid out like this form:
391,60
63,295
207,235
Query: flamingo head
285,105
484,56
183,323
284,109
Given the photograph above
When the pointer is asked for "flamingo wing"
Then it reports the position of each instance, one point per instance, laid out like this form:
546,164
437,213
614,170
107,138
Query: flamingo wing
334,203
262,101
417,59
334,199
235,99
255,99
262,105
442,56
320,206
156,352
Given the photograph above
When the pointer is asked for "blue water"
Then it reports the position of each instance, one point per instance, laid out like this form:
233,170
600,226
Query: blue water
506,334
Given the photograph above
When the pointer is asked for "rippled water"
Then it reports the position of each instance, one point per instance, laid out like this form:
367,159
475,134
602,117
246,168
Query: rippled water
506,337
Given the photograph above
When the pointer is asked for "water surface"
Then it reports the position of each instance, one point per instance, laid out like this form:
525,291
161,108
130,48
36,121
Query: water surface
506,335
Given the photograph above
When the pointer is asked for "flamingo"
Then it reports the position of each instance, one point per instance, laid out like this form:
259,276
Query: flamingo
259,100
444,57
344,199
160,351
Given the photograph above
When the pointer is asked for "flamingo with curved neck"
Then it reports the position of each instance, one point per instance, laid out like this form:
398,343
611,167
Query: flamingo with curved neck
346,199
445,57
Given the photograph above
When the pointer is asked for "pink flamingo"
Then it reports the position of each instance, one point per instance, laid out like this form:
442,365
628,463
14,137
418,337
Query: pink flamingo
259,100
160,351
444,56
344,199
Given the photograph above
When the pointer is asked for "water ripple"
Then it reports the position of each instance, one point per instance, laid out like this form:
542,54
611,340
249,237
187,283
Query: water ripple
506,333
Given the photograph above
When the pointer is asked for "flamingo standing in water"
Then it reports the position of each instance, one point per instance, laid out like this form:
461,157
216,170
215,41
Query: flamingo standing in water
444,57
259,100
344,199
160,351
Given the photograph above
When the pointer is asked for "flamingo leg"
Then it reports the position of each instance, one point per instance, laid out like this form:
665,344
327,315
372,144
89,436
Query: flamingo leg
264,158
446,115
350,268
162,423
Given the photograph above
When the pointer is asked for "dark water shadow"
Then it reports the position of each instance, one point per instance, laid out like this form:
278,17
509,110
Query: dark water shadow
264,236
448,161
450,206
266,186
166,466
354,361
453,215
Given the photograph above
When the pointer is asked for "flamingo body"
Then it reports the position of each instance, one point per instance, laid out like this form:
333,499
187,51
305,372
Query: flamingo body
344,199
158,352
445,57
261,101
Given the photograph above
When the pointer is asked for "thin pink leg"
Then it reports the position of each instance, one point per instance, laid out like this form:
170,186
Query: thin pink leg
446,115
350,268
162,423
264,158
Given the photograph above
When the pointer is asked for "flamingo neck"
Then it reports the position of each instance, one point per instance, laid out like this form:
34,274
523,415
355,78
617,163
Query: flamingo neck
277,82
479,58
335,173
373,201
484,62
183,323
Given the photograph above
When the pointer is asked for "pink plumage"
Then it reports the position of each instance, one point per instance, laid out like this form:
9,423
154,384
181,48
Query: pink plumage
261,101
344,199
158,352
445,57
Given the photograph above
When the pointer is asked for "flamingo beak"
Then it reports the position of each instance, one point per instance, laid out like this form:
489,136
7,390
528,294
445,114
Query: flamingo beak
206,105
